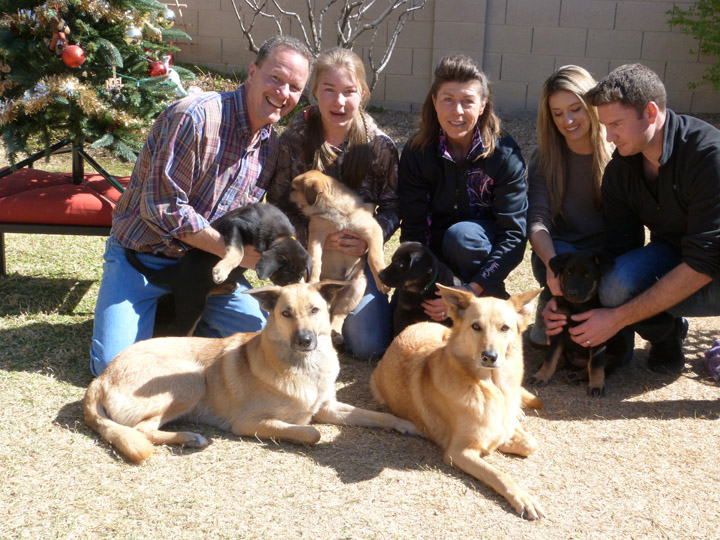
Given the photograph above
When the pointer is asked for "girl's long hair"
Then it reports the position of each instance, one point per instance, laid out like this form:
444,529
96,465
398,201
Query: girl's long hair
318,153
458,68
552,149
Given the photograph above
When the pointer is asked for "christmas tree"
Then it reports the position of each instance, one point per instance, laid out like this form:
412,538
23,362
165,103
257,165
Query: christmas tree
93,72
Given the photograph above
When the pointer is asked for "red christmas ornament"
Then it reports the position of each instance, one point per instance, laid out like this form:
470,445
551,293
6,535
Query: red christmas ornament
73,56
157,69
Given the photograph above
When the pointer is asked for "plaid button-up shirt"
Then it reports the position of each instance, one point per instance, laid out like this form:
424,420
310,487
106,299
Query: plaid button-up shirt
200,160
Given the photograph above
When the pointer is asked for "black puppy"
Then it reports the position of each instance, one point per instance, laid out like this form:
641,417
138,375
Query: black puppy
199,273
415,271
579,274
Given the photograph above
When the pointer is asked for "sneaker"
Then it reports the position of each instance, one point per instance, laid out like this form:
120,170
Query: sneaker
537,331
667,355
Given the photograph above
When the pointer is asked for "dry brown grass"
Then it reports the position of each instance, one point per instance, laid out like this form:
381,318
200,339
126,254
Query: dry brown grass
639,463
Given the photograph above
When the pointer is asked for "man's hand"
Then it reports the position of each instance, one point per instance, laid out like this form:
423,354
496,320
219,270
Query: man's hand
346,242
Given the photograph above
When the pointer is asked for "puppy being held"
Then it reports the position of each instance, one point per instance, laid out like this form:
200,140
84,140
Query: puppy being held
461,386
579,275
333,207
267,384
199,273
415,272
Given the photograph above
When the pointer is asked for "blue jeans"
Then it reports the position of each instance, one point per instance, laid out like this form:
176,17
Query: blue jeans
539,269
639,269
126,304
465,247
367,330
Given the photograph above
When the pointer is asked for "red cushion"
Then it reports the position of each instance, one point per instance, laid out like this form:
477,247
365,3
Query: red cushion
33,196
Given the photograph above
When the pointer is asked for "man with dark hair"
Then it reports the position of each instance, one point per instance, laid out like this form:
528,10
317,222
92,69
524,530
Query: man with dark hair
664,175
204,156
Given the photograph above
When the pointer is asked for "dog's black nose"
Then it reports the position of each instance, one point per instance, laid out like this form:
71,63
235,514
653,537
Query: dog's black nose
489,358
304,340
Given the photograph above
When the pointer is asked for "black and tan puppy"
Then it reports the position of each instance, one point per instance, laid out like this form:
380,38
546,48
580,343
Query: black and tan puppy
198,274
415,272
579,274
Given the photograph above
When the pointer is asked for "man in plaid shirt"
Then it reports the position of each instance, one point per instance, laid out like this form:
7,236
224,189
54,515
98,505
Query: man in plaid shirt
205,155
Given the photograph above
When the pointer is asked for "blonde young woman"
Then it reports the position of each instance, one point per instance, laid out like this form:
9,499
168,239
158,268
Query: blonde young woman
565,175
337,136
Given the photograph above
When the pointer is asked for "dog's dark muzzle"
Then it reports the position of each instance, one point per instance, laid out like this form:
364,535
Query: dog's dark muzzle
304,340
490,359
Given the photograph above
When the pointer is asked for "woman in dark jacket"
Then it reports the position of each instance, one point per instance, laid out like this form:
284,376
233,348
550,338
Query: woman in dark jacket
462,185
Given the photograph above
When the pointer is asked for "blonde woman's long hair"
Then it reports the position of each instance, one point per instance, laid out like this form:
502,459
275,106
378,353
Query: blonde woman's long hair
552,149
318,153
462,69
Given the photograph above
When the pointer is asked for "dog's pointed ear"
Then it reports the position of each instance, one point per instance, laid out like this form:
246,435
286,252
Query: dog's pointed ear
457,300
522,303
267,296
557,263
328,288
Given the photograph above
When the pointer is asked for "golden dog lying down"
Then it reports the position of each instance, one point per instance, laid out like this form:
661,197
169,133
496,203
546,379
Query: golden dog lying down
268,384
461,386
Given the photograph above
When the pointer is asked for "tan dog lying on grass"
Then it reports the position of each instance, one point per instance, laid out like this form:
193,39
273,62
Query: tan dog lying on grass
267,384
461,386
331,206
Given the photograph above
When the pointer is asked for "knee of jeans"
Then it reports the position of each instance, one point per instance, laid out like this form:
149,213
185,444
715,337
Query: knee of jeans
614,291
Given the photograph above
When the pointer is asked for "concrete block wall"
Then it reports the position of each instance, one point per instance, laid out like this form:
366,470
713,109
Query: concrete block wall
518,42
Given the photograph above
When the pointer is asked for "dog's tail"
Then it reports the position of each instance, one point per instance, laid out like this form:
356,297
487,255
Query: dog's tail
528,399
158,277
129,441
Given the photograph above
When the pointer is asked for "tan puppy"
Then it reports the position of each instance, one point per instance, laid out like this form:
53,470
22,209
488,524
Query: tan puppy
268,384
461,386
332,206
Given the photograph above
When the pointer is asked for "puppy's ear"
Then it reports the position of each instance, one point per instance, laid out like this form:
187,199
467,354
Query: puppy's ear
328,289
557,263
457,300
312,194
267,266
267,296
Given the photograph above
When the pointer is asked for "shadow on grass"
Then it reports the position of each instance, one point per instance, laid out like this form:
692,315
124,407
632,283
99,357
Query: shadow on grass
58,350
26,294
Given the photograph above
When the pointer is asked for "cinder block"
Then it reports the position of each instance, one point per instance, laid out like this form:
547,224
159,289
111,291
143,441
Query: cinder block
422,63
415,35
492,63
205,50
556,41
598,67
679,74
456,35
526,67
657,66
643,16
705,102
614,44
508,39
460,11
669,46
496,11
587,14
509,96
236,52
532,13
407,89
680,102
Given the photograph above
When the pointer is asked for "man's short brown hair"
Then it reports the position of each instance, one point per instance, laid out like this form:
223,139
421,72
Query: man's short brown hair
633,85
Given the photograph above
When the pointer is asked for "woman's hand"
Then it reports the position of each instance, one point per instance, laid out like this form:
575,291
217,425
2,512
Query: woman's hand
553,282
346,242
436,309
